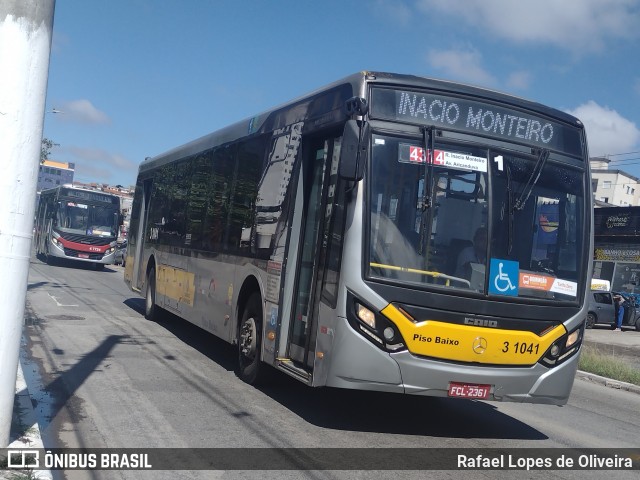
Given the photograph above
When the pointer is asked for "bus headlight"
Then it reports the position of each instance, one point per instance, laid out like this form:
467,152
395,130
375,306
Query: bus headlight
57,243
564,348
573,338
366,315
389,334
374,326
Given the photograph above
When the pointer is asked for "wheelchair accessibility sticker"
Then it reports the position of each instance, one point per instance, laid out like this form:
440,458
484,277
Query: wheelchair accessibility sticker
504,277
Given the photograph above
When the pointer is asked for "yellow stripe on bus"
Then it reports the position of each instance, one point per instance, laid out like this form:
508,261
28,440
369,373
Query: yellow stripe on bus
469,343
176,284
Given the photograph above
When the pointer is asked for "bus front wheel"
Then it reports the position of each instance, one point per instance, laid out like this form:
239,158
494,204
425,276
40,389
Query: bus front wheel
251,368
150,307
49,259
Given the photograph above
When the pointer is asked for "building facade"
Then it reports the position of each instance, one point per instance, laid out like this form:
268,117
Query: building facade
52,174
617,247
613,187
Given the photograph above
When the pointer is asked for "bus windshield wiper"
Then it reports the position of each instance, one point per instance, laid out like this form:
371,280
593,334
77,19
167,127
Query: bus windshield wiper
510,208
428,145
543,155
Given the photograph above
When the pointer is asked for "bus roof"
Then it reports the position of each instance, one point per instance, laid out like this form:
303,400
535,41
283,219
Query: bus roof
339,92
74,190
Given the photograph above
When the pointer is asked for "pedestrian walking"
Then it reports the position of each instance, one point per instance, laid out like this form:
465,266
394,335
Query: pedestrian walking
619,299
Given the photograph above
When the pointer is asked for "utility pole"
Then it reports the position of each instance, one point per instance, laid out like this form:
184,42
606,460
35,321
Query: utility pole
26,28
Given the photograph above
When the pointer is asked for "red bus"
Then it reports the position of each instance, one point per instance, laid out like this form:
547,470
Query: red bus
77,224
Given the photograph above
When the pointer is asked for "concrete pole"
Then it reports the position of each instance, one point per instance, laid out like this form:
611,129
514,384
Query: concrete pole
26,27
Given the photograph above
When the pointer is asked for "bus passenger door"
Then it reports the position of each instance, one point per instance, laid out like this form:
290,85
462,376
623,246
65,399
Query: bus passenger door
138,274
314,175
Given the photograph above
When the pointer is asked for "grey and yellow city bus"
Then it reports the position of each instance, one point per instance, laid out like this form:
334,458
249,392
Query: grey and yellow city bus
78,224
386,232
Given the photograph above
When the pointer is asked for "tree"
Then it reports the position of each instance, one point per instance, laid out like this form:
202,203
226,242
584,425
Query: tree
45,149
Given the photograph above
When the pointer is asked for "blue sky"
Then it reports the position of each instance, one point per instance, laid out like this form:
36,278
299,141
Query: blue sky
134,78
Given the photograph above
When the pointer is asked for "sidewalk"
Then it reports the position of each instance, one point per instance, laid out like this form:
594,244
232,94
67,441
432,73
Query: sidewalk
25,432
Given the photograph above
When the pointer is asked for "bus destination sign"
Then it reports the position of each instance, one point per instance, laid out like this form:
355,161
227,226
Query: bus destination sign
475,117
90,196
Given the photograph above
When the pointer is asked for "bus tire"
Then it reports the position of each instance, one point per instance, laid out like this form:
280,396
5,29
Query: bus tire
150,307
250,367
591,320
49,259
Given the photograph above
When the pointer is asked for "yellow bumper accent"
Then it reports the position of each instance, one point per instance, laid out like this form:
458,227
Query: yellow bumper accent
468,343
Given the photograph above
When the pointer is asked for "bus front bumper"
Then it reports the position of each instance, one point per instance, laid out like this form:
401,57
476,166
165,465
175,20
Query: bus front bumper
534,384
357,364
57,250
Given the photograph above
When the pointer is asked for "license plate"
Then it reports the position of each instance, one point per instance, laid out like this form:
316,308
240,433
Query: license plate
467,390
83,255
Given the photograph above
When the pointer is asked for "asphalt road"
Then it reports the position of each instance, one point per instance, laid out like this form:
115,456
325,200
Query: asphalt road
103,376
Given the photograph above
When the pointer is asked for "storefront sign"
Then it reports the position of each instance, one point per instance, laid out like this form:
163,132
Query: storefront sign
627,255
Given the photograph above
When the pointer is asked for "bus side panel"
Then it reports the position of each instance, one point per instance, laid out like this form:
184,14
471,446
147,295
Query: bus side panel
213,277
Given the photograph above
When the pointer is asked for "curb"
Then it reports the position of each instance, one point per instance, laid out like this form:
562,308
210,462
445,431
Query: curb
607,382
25,431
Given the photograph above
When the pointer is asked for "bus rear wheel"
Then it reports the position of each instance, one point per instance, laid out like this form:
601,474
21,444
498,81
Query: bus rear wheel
150,307
251,369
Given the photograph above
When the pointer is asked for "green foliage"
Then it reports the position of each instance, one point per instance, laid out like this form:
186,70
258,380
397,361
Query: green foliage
45,149
607,365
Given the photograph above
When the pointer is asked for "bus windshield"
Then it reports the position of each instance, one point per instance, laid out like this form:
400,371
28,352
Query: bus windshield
488,221
87,219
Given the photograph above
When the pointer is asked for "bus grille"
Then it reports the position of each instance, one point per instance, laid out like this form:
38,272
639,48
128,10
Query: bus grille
86,255
86,240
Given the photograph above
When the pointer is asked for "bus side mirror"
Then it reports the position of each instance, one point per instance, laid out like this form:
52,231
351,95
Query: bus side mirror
353,151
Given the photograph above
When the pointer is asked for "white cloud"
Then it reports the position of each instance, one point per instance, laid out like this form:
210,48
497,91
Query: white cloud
575,25
81,111
461,64
608,132
98,165
59,41
395,10
99,158
519,80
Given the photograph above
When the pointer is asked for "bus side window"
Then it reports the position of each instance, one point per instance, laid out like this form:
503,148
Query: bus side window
243,197
159,214
216,214
197,206
273,189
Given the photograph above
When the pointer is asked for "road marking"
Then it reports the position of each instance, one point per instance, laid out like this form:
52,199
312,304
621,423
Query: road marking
58,303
